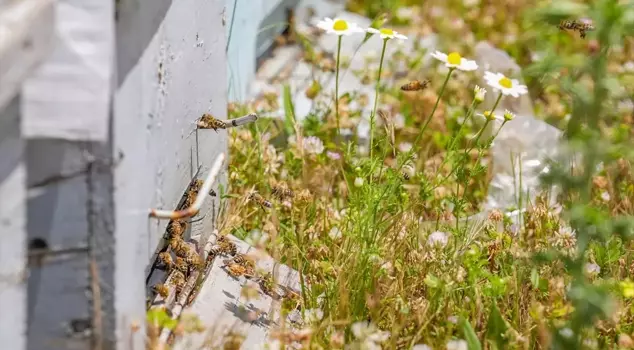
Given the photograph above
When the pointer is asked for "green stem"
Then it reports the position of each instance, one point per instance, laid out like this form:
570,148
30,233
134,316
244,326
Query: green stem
469,114
337,84
376,97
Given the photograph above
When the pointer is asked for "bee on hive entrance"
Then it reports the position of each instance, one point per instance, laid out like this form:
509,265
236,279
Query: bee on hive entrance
181,265
207,121
416,85
165,259
194,260
179,247
227,247
236,270
161,290
257,198
176,228
178,280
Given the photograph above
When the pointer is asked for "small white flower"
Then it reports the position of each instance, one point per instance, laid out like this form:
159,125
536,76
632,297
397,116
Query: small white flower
508,115
404,146
437,238
387,33
479,93
605,196
366,331
313,144
334,233
454,60
628,66
257,238
339,26
358,182
592,269
566,332
453,319
399,121
421,347
457,345
507,86
314,315
333,155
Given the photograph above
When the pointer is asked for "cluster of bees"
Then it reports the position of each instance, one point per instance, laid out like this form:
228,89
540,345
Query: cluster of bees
576,26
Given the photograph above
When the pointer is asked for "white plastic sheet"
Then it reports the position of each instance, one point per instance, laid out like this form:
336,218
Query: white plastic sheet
68,97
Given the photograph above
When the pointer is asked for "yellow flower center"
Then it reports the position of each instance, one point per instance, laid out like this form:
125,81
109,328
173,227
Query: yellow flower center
454,58
340,25
506,82
386,31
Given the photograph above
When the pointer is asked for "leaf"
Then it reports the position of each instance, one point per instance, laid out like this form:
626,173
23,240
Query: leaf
289,111
496,328
470,336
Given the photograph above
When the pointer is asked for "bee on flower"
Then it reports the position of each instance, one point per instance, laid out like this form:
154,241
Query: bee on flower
339,26
454,60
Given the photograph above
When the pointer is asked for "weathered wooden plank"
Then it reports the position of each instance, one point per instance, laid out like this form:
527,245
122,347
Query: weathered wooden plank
26,28
12,230
221,308
171,69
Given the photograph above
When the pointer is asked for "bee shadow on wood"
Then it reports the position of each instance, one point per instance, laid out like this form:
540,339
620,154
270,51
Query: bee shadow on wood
249,314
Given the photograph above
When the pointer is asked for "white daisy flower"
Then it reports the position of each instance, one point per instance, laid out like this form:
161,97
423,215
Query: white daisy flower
454,60
437,238
507,86
339,26
313,144
508,115
387,33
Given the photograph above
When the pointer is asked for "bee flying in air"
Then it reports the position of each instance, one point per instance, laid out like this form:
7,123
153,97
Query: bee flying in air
207,121
389,129
257,198
281,191
578,26
416,85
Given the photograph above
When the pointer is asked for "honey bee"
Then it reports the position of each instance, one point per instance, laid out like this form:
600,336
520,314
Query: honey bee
179,247
257,198
236,270
207,121
192,193
165,259
181,265
213,252
281,191
194,260
178,280
267,285
575,25
408,171
227,247
161,289
176,228
243,260
416,85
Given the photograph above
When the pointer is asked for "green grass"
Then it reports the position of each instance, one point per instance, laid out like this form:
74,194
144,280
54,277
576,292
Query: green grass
376,245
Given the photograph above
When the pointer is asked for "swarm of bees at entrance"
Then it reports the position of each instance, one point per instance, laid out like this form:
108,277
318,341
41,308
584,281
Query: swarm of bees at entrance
258,199
416,85
282,192
208,121
577,26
